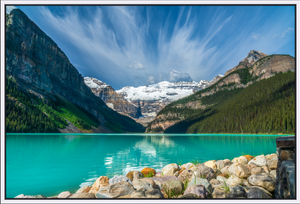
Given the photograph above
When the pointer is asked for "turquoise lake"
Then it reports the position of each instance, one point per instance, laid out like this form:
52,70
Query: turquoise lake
48,164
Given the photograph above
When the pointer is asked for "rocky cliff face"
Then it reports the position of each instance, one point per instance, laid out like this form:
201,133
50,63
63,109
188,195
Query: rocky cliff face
39,65
112,99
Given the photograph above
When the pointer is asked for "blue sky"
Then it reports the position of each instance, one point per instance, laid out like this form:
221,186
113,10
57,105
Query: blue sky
139,45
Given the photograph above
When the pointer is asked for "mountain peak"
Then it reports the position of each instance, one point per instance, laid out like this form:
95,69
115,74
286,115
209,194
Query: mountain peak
253,56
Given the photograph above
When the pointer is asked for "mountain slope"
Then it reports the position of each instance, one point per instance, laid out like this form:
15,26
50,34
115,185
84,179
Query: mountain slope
111,98
39,66
184,115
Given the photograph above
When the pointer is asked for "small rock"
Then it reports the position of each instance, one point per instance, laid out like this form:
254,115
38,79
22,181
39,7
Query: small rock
245,183
256,192
205,172
200,181
117,179
151,181
257,170
137,175
187,166
272,164
211,164
286,155
224,175
186,175
170,169
221,179
239,170
225,170
84,189
266,169
237,192
175,186
271,157
222,163
219,193
249,157
100,182
164,179
65,194
198,190
142,184
115,190
83,195
250,166
240,160
155,193
138,194
215,183
273,172
233,180
264,180
147,171
176,173
259,161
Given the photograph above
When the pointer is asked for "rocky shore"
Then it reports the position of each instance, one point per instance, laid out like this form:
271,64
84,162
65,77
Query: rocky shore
243,177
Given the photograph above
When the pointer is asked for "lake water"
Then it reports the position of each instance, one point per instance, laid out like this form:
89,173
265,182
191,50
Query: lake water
48,164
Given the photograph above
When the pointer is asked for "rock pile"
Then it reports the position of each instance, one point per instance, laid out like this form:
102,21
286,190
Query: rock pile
243,177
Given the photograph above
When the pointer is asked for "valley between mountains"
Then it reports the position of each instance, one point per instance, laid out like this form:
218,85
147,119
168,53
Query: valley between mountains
46,93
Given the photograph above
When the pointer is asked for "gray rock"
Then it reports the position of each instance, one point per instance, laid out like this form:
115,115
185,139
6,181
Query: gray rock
116,190
263,180
257,193
65,194
222,163
186,175
204,171
221,179
142,184
155,193
215,183
198,190
200,181
237,192
138,194
117,179
163,179
83,195
175,186
257,170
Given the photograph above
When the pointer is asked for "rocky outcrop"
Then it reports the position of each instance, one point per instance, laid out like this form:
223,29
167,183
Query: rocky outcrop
251,58
112,99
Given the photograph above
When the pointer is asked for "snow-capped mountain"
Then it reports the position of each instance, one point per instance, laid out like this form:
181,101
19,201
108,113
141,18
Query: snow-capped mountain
164,91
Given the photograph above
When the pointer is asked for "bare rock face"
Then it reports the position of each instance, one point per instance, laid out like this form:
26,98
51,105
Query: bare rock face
112,98
251,58
233,78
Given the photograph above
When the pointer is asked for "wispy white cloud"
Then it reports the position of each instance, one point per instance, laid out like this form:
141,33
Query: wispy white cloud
284,33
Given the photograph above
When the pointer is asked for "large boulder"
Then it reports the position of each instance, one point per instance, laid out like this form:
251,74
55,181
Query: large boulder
257,170
175,186
100,182
239,170
264,180
259,161
205,172
197,190
233,181
171,169
115,190
148,171
210,164
240,160
186,175
83,195
65,194
117,179
200,181
258,193
142,184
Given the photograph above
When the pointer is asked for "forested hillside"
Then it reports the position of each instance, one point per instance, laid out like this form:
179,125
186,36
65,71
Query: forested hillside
267,106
